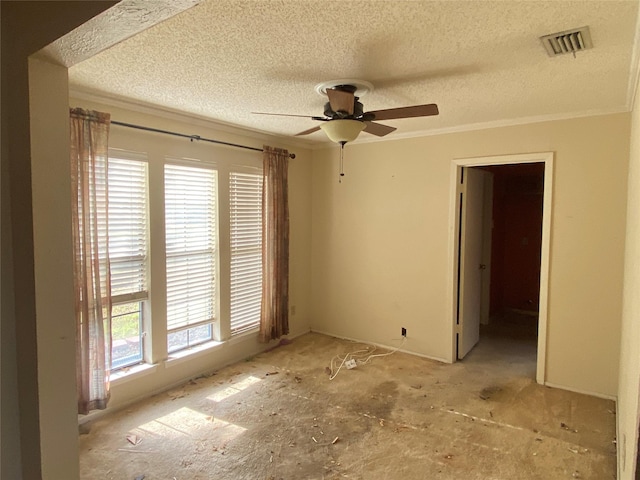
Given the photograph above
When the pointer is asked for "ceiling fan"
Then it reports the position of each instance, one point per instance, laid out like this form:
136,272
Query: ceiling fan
344,116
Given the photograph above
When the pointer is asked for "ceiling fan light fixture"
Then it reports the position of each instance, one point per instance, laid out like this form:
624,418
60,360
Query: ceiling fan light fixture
342,131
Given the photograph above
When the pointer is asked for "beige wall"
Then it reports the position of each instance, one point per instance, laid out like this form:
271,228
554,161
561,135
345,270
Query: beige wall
27,27
381,250
628,394
53,268
156,147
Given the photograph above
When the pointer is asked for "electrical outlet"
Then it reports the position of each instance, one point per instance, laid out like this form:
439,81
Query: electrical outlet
351,363
404,332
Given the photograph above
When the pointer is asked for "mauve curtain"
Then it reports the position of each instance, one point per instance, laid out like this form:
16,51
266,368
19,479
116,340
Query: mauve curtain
274,314
92,282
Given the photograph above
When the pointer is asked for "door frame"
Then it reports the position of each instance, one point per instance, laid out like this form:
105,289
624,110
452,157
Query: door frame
454,230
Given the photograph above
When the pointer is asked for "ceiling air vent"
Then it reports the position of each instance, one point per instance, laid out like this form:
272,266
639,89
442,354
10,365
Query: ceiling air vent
569,41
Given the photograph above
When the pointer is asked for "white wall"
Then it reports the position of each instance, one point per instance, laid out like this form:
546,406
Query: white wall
380,241
628,394
156,147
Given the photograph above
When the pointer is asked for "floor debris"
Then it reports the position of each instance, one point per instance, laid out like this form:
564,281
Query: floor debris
134,439
271,373
175,394
578,450
567,427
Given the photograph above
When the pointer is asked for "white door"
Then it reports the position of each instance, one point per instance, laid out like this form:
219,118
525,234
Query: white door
471,258
487,234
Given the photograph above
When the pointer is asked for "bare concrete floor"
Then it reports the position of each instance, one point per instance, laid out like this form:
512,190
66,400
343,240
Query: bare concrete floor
278,416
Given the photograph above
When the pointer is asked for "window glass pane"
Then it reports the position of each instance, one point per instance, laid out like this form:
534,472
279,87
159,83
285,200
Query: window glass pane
126,334
177,340
189,337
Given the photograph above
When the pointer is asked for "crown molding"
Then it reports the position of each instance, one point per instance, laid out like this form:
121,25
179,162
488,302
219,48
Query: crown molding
201,121
497,124
185,117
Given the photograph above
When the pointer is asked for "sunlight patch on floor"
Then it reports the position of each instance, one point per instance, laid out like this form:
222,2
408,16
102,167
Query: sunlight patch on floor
190,423
233,389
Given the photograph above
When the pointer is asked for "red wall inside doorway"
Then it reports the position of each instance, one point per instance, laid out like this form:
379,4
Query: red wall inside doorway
516,237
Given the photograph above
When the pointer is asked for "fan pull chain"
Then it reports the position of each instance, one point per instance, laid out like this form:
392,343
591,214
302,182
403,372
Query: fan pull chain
341,161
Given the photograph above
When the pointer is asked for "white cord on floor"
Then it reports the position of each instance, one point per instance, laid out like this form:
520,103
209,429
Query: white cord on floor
404,339
358,353
346,357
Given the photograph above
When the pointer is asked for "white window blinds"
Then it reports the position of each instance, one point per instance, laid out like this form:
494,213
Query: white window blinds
191,241
245,195
128,228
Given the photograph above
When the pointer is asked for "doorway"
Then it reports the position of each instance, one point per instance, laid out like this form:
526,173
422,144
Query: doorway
524,182
512,221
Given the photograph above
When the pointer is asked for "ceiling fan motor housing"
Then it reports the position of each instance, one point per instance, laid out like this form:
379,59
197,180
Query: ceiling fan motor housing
358,110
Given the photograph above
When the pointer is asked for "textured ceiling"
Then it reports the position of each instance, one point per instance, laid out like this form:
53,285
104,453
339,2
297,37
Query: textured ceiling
123,20
480,61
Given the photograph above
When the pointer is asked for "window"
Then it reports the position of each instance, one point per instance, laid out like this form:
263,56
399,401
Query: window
245,195
127,181
191,254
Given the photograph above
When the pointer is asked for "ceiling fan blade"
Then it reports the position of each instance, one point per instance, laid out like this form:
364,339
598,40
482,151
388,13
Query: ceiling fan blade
307,132
341,101
378,129
406,112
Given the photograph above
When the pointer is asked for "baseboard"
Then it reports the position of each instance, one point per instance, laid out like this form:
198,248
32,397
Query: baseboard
295,335
380,345
619,446
584,392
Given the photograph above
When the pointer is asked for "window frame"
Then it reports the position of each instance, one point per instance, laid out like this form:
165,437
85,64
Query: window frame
213,321
248,299
140,296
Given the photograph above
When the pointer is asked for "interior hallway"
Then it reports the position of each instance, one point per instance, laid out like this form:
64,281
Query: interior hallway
276,416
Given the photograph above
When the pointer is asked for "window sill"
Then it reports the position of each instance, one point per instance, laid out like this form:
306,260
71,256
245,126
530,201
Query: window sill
132,373
177,358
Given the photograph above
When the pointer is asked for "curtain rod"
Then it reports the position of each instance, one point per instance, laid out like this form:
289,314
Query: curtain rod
190,137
